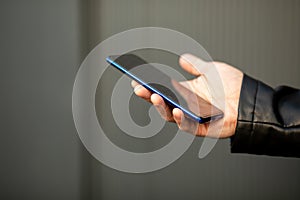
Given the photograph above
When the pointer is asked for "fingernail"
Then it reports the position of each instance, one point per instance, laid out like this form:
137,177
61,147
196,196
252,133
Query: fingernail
177,120
136,88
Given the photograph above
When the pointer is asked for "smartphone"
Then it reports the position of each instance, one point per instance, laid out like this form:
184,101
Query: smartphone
174,94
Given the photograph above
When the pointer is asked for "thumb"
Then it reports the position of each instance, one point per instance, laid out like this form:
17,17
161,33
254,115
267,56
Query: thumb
193,64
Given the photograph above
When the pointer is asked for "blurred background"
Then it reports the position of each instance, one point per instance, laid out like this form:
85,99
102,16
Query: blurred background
42,44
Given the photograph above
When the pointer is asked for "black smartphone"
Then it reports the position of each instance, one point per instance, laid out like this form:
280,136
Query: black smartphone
174,94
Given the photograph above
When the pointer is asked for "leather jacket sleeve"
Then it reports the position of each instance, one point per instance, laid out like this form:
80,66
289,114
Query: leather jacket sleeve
268,120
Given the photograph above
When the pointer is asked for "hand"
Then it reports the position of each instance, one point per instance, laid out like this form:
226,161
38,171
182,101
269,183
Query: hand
231,79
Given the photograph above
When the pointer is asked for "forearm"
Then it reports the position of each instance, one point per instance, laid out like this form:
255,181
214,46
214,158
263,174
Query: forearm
268,120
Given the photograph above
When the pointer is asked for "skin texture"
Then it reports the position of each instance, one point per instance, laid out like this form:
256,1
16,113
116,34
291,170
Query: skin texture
231,79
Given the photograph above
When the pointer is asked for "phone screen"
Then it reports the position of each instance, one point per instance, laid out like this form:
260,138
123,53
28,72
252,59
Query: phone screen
174,93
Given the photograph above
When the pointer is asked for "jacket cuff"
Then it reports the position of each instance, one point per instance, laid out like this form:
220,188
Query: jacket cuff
255,112
240,141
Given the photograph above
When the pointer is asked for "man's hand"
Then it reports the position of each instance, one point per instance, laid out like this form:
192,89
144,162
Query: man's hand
231,79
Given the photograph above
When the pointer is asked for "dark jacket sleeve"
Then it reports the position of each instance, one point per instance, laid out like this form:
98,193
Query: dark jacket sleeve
268,120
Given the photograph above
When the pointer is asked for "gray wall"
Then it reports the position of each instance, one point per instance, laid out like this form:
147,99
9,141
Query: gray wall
44,42
41,46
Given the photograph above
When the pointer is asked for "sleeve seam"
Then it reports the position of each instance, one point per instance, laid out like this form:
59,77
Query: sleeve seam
253,113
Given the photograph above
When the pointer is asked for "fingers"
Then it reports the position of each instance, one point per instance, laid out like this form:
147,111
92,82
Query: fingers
134,83
189,125
175,115
140,91
184,123
163,109
178,115
193,64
